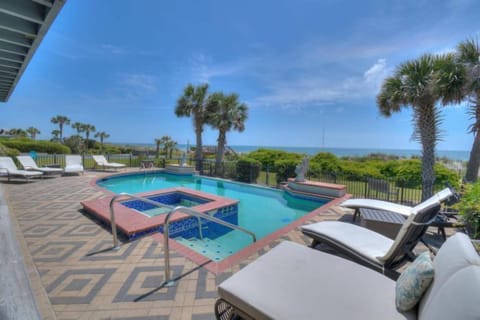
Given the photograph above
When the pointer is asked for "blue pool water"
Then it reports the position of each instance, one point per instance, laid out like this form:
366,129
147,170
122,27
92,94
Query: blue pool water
260,210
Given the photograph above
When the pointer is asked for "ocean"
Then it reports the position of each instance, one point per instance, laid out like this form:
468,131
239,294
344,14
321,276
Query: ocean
340,152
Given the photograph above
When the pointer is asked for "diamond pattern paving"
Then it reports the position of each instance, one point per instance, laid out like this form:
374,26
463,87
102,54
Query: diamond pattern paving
109,284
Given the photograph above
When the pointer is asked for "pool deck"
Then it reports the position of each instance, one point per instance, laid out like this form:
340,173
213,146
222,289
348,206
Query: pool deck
54,237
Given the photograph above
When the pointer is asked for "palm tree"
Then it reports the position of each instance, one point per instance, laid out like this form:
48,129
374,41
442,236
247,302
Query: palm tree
102,135
78,126
32,131
56,135
158,142
170,145
192,103
468,53
17,132
88,128
225,113
420,84
60,120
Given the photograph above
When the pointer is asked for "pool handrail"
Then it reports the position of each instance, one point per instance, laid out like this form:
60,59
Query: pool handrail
188,211
146,200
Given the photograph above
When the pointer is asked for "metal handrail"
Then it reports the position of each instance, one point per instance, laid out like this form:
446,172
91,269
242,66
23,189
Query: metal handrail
188,211
131,196
197,214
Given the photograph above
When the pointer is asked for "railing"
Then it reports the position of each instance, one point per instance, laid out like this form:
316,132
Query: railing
188,211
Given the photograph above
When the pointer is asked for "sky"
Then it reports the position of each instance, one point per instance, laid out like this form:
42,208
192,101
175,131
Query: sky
308,70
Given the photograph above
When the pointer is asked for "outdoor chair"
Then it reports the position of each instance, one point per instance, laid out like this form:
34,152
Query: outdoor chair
101,161
73,164
371,248
9,169
29,164
292,281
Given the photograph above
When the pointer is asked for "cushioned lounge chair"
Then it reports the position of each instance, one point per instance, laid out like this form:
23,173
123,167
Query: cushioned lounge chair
441,196
373,249
9,169
73,164
292,281
101,161
29,164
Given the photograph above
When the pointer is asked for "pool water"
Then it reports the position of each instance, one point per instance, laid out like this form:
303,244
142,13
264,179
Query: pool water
260,210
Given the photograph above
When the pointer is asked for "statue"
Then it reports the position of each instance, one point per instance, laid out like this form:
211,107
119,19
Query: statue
183,160
301,169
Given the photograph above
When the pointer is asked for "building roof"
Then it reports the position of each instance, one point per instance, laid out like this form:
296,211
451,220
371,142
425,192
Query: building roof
23,24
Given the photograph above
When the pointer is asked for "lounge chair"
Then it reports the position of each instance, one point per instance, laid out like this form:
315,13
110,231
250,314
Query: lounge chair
292,281
441,196
101,161
9,169
29,164
373,249
73,164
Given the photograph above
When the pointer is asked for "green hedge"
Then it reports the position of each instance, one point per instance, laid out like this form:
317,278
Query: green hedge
268,157
285,169
27,145
248,170
9,152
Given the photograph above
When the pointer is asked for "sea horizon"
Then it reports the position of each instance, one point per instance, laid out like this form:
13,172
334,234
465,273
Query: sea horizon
461,155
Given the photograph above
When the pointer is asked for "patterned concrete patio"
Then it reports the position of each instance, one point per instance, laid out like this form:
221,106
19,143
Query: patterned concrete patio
56,237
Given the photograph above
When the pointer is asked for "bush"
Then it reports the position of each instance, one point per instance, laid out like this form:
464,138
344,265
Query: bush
324,162
248,170
267,157
285,169
9,152
469,209
27,145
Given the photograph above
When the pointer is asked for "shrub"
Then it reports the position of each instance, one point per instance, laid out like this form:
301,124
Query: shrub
285,169
248,170
26,145
9,152
267,157
469,209
324,162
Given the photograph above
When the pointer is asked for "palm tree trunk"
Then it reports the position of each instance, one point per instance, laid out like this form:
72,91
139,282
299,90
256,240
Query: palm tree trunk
474,161
61,131
198,150
157,152
428,138
220,150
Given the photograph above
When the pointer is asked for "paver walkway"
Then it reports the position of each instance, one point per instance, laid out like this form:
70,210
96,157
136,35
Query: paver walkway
57,236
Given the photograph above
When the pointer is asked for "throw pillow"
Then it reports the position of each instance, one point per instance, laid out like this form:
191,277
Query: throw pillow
413,282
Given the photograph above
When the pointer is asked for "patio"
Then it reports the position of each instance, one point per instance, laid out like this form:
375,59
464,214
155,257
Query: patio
56,236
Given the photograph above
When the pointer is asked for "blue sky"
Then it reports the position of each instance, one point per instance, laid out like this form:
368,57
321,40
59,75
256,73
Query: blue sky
308,70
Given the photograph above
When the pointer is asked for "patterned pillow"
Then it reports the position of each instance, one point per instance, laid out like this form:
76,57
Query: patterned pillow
413,282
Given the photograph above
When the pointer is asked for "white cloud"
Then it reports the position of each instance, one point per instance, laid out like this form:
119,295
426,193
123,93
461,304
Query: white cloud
203,68
137,81
316,90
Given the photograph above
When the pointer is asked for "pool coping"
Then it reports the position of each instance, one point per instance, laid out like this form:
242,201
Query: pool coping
221,266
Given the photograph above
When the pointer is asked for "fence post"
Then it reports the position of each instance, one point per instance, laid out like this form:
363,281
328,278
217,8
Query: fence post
366,187
401,192
130,160
83,159
266,177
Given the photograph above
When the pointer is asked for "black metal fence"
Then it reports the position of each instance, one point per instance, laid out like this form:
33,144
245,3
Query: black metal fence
389,189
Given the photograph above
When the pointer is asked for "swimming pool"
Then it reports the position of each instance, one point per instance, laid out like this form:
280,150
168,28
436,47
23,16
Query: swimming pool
260,210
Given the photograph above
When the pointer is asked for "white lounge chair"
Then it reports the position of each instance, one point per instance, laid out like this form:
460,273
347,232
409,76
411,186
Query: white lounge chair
9,169
292,281
101,161
356,204
73,164
373,249
29,164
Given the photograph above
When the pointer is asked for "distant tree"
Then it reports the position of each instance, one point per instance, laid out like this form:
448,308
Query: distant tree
102,135
158,142
225,113
32,131
171,146
192,103
168,145
60,120
88,128
468,54
56,135
420,84
78,126
17,132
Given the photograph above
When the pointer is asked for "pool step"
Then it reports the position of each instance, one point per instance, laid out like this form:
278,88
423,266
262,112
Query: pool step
206,247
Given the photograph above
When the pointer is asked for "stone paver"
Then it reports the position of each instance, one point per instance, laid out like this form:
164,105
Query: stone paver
57,237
